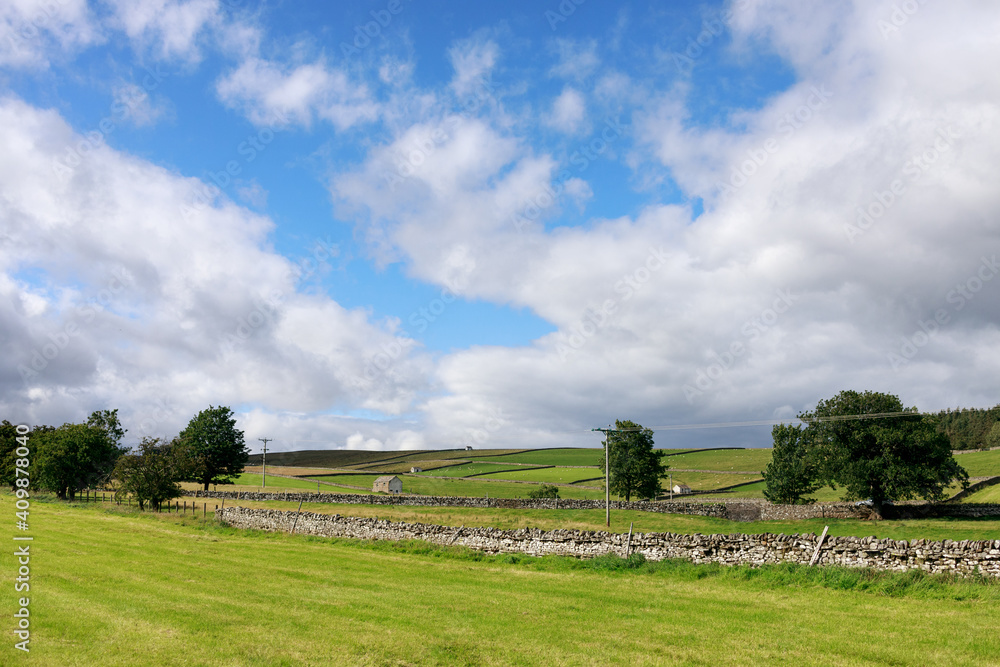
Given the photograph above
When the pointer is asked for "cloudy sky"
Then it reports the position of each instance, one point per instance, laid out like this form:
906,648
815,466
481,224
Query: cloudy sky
404,224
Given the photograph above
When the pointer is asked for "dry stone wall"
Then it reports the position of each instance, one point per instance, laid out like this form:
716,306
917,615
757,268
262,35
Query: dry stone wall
734,510
700,509
966,557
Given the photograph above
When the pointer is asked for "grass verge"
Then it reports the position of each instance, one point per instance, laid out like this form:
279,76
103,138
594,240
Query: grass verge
118,588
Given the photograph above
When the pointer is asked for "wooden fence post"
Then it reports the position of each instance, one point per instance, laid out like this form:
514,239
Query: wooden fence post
818,545
294,523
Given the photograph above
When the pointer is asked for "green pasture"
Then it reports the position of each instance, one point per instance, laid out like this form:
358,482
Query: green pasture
555,457
980,464
252,482
466,469
722,459
990,494
324,458
706,480
396,468
549,475
117,588
476,486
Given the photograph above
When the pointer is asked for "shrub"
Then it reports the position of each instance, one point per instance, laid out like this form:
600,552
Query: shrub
544,491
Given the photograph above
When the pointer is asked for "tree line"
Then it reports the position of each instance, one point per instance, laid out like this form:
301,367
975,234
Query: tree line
969,428
869,444
72,457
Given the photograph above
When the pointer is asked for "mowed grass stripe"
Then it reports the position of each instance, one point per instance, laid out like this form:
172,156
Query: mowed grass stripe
122,590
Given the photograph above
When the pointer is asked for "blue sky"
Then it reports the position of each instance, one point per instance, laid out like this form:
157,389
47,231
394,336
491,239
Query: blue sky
515,221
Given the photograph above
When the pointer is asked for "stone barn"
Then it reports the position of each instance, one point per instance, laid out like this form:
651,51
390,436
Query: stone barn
681,489
415,469
388,484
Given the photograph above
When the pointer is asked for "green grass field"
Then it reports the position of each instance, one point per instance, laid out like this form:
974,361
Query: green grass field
990,494
722,459
707,480
549,475
447,486
120,589
980,464
483,461
466,469
555,457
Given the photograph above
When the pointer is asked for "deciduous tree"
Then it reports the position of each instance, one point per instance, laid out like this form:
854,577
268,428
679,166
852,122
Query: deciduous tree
151,473
76,456
215,446
791,474
896,457
636,468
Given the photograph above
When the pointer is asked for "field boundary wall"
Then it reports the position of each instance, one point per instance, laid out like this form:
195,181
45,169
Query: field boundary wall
734,510
967,557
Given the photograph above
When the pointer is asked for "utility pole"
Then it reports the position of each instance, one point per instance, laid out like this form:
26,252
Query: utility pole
263,460
607,467
607,473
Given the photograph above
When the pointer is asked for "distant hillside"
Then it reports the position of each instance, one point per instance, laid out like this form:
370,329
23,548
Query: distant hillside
342,458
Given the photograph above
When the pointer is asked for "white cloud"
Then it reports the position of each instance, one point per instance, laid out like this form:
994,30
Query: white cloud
473,59
576,60
763,304
568,111
34,31
133,303
265,90
137,106
168,28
